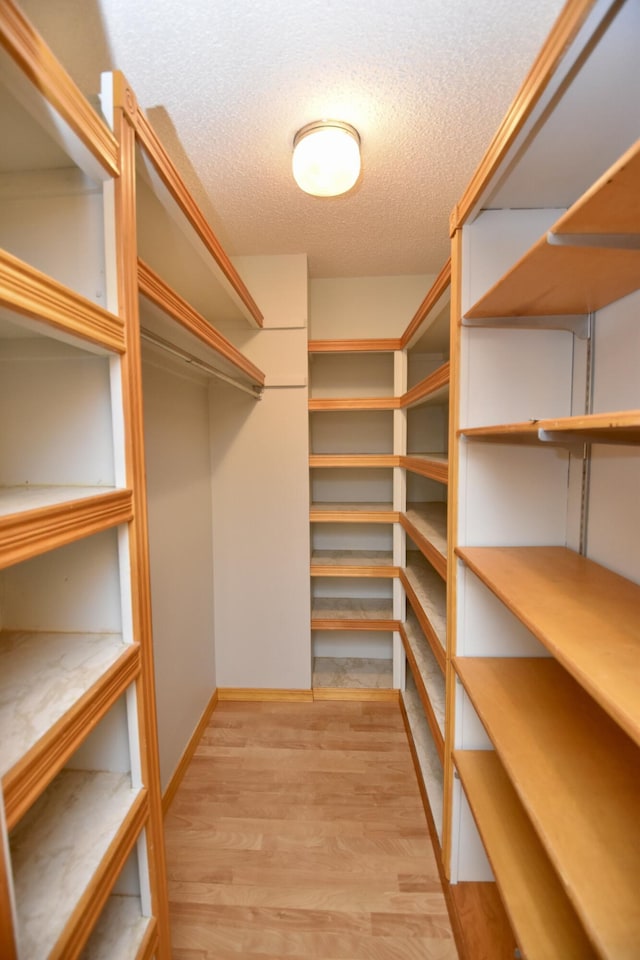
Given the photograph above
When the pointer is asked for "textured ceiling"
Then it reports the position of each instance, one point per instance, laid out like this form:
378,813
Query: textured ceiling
227,84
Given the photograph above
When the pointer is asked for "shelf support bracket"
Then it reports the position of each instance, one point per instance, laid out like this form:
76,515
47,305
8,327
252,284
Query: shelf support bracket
576,323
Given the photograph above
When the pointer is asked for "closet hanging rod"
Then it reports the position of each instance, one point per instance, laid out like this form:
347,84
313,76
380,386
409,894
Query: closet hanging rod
255,391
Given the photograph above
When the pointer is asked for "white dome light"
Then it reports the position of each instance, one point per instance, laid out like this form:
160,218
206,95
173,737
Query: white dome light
326,158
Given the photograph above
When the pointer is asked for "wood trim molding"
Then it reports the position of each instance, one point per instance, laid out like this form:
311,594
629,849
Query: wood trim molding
264,695
564,31
356,694
355,403
153,287
27,779
187,755
82,920
437,560
326,623
34,294
430,385
438,287
388,345
424,621
149,945
354,516
29,51
434,469
423,693
25,535
8,922
146,135
335,570
354,460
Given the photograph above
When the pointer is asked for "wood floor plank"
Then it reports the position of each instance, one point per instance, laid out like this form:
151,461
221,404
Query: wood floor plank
298,832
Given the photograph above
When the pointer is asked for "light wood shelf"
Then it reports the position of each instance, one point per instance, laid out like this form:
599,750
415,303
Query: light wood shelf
34,519
541,915
64,853
428,677
578,777
367,460
426,524
428,309
586,616
362,512
433,389
384,345
352,613
54,688
621,427
122,933
578,279
353,563
427,594
333,675
434,466
425,755
353,403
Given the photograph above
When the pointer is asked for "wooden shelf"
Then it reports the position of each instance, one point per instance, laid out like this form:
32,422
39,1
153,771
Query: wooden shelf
428,677
34,519
365,512
584,614
54,688
32,294
427,594
578,278
121,932
425,756
542,917
429,309
342,613
622,427
426,524
578,777
368,460
435,466
385,345
64,852
353,563
433,389
354,403
333,675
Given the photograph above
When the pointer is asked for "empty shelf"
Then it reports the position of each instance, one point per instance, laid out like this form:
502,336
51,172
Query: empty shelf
426,753
426,592
120,932
428,677
435,466
352,673
622,427
433,389
353,563
353,613
361,512
426,524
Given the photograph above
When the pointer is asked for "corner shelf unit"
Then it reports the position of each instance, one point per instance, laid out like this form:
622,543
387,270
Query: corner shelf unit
544,575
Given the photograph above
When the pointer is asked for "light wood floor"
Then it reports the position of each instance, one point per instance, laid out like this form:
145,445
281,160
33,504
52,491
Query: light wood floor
298,832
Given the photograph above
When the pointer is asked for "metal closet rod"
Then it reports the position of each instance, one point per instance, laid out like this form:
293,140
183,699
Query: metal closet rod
255,392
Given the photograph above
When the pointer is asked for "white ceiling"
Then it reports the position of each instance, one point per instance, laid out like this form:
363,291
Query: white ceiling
227,85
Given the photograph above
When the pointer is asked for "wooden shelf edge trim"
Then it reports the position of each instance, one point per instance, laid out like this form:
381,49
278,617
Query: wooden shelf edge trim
430,716
188,752
34,532
125,98
27,48
354,403
149,945
562,34
433,469
26,780
326,570
33,294
615,427
388,345
327,623
78,928
354,516
436,647
430,385
356,694
431,553
373,460
438,287
433,833
155,289
264,695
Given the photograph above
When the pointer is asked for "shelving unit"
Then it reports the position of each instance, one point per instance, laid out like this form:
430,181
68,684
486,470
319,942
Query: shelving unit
543,580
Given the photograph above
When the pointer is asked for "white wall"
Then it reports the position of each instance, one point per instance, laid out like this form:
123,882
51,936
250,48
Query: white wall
176,410
261,492
364,307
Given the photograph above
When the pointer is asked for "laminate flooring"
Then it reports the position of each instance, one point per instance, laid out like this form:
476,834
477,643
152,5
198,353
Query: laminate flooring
298,832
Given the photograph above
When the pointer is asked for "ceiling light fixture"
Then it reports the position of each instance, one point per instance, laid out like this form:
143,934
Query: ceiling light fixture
326,158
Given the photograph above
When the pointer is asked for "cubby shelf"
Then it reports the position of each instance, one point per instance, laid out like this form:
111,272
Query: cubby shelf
53,689
370,460
352,613
434,466
621,427
433,389
567,601
62,854
425,756
427,594
571,766
362,512
582,271
353,563
428,677
122,932
541,914
354,403
426,524
37,519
